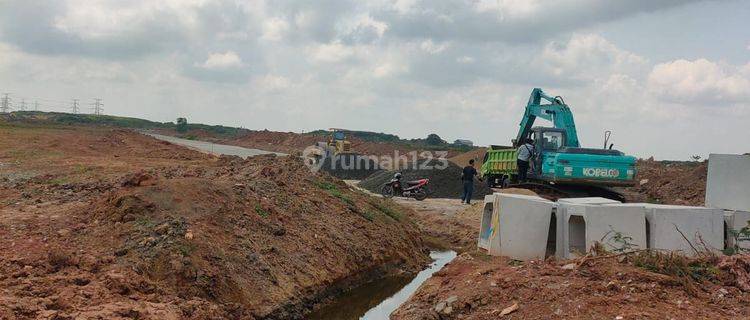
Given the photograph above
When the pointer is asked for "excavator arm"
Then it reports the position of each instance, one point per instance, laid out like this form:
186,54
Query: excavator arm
556,111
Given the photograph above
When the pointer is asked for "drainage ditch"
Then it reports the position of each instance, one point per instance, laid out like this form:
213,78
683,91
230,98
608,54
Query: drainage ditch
378,299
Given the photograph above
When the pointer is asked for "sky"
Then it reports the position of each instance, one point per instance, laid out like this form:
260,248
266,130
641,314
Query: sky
669,78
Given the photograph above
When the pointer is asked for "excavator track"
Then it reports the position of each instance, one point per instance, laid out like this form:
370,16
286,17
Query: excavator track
554,192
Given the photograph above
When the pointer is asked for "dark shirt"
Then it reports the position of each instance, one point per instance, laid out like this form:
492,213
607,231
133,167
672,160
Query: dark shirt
469,173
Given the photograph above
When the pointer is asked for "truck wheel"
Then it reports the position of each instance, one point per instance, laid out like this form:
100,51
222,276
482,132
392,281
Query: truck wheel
504,182
490,181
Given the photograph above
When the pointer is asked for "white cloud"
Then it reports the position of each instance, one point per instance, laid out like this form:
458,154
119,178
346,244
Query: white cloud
433,48
700,82
220,61
331,52
588,56
464,59
274,29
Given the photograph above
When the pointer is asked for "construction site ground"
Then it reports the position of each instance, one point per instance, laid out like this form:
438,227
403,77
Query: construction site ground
109,223
478,286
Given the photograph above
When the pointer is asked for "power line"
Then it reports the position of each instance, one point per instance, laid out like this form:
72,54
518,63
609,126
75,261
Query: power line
98,106
74,106
22,107
5,104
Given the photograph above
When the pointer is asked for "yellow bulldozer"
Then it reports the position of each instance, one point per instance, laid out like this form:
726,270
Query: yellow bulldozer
336,157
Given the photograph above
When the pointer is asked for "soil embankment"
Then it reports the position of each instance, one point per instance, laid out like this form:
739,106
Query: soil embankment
679,183
111,223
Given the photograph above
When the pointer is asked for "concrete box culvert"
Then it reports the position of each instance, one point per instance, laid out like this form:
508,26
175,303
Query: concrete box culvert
587,200
616,227
519,226
485,227
735,221
728,182
670,225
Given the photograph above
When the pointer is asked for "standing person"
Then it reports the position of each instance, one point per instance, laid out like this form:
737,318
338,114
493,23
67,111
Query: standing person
467,177
525,152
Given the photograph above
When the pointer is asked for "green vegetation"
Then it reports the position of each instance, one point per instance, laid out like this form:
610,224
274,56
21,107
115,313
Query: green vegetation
260,211
116,121
368,215
433,142
386,209
740,237
334,191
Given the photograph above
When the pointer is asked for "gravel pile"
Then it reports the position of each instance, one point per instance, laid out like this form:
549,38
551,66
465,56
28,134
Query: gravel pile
350,166
445,183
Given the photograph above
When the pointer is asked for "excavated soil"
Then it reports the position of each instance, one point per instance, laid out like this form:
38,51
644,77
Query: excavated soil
680,183
604,286
476,286
444,183
103,223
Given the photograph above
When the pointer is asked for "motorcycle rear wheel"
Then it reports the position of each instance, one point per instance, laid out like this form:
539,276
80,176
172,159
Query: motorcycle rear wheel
420,195
387,191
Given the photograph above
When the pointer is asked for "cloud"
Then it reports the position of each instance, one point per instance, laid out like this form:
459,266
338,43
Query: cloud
274,29
219,61
512,21
433,48
588,56
700,82
331,52
452,63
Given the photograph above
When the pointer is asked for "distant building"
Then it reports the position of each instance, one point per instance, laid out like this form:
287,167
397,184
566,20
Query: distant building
463,142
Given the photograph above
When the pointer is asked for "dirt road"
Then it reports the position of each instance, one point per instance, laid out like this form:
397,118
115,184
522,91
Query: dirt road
213,148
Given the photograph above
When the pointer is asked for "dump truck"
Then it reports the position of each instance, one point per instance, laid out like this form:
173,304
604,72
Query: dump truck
559,163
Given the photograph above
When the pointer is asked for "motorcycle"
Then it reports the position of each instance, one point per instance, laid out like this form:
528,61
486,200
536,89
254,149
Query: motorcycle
416,189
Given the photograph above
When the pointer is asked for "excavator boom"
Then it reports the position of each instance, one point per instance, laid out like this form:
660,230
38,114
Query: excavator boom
556,111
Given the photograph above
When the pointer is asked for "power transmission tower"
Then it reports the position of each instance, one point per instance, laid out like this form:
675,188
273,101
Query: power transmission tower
22,107
36,105
98,106
75,106
5,104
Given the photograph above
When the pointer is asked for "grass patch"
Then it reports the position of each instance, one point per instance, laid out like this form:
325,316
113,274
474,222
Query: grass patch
325,185
261,212
386,209
687,270
334,191
368,215
145,222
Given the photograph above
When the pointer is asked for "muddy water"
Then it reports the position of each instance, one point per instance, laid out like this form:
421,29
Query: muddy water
375,301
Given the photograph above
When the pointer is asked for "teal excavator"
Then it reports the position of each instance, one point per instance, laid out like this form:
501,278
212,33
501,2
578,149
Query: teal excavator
559,162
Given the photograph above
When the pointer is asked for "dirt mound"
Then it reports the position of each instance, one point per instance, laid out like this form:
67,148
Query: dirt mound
445,179
349,166
152,235
680,183
463,159
476,286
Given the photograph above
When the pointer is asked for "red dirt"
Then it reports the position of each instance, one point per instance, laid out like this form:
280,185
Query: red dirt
112,224
680,183
480,287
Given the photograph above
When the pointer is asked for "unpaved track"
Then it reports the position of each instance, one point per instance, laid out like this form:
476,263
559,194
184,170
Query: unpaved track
213,148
